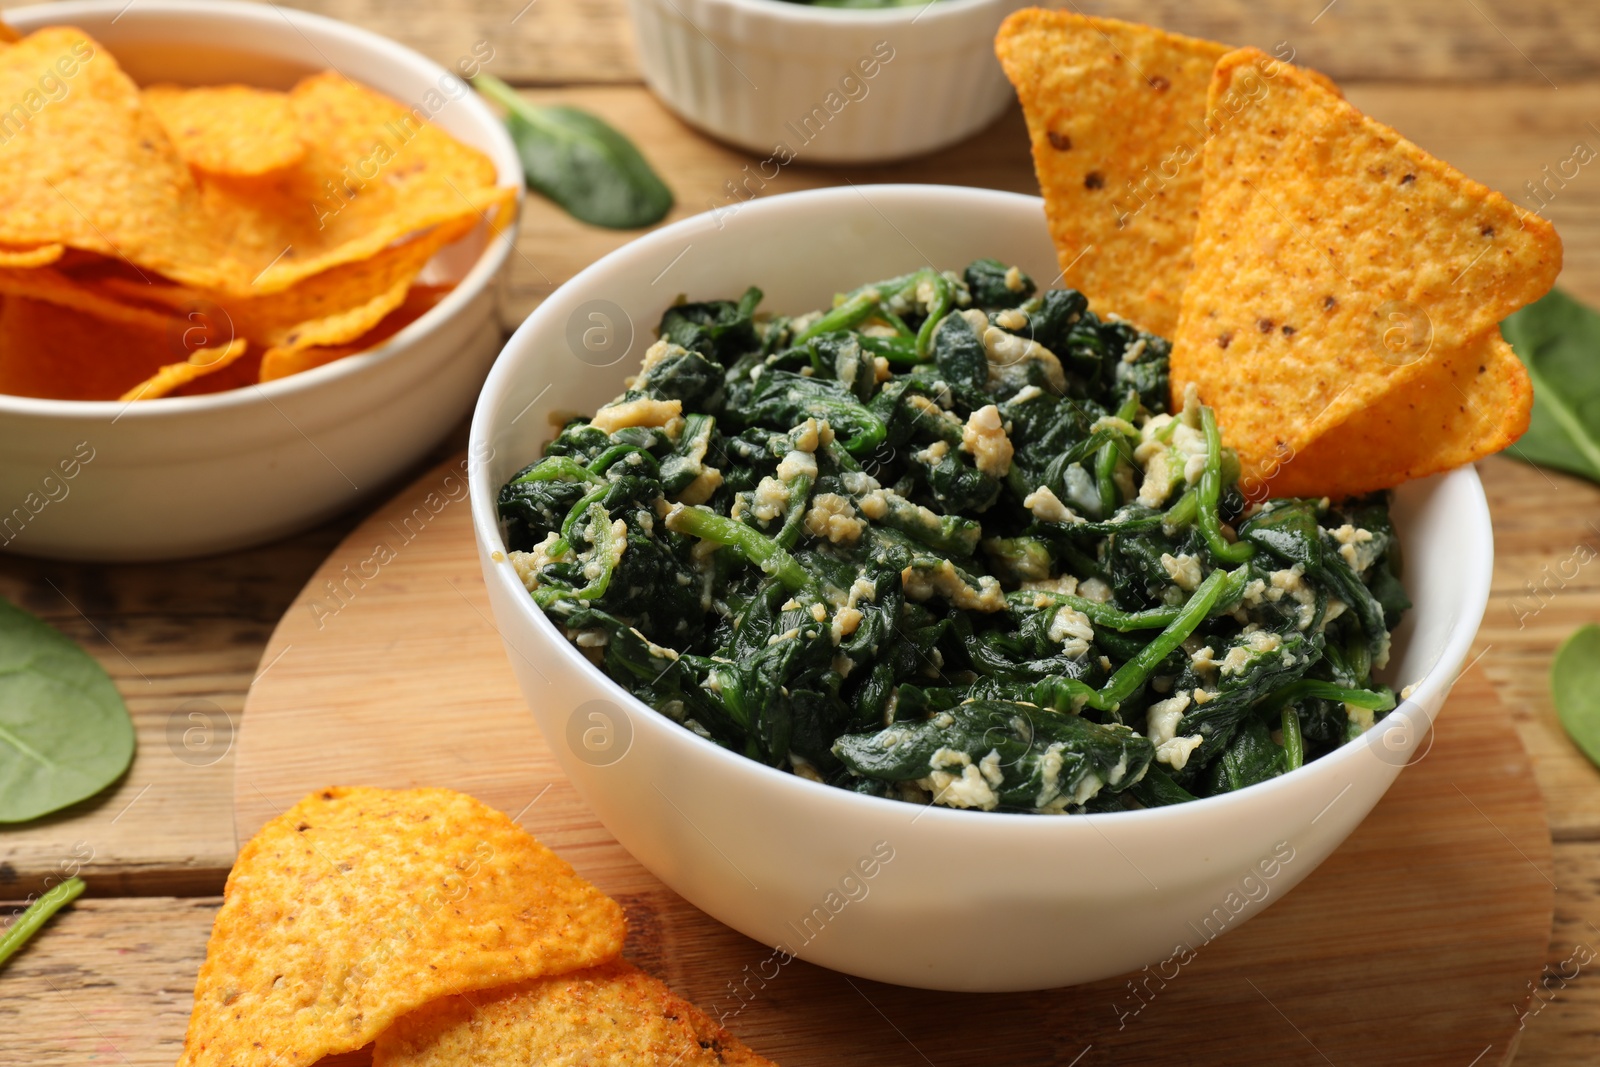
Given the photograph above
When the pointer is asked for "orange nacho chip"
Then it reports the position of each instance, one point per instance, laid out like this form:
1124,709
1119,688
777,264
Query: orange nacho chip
1477,404
283,362
373,173
330,308
174,376
609,1016
40,256
89,167
1318,226
358,905
55,351
228,129
1117,116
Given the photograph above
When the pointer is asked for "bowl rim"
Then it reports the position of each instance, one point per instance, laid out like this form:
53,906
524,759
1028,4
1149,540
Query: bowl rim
937,11
1428,691
319,30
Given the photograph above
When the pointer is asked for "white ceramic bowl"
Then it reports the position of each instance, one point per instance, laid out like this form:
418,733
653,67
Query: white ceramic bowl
970,900
182,476
826,85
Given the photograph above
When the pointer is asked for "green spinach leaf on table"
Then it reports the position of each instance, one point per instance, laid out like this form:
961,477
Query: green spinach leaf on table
64,730
589,169
1575,687
1558,340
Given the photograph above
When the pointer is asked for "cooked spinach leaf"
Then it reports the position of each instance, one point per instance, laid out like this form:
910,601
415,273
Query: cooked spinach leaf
1558,339
586,166
64,731
942,541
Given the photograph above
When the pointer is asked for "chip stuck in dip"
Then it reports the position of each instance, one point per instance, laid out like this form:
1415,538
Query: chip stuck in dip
174,240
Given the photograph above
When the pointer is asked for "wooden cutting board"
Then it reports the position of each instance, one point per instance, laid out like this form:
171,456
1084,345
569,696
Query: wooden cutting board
1416,943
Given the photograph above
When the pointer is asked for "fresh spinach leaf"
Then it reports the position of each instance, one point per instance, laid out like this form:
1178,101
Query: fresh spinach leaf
588,168
1558,340
64,731
1575,688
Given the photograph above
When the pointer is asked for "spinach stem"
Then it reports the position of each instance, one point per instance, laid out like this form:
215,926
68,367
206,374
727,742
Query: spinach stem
1133,673
1311,688
799,494
560,468
1102,614
37,914
1294,745
1105,462
1210,520
604,550
702,522
1183,512
579,510
938,308
842,317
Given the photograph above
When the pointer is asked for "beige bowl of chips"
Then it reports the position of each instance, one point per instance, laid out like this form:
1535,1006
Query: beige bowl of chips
187,475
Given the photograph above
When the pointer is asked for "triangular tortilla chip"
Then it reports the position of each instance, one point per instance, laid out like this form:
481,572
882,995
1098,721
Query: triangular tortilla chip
1117,116
175,376
90,167
236,130
1318,227
282,362
40,256
51,350
610,1016
359,905
373,173
1476,403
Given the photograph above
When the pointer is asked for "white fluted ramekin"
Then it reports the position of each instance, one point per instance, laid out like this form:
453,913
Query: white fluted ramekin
794,82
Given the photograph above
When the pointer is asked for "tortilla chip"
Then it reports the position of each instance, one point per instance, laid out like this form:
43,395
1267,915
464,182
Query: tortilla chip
64,290
609,1016
283,362
343,302
1117,116
373,173
334,307
90,167
57,352
176,375
40,256
359,905
228,129
1318,225
1478,403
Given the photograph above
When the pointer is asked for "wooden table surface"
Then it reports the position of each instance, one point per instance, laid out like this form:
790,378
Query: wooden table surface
1501,88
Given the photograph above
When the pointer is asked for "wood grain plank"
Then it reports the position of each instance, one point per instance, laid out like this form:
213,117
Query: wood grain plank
1375,40
177,639
125,968
551,42
529,42
180,640
1546,584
